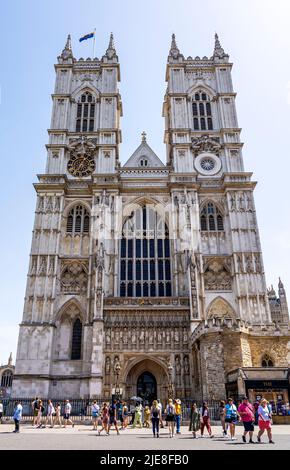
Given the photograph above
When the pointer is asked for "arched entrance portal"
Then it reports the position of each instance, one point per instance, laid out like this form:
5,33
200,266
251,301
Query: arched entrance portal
147,387
146,375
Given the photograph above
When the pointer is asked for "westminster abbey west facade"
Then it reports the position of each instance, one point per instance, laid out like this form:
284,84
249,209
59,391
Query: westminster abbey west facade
148,276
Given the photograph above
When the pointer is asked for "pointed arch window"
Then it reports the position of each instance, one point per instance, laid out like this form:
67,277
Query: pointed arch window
201,111
6,379
211,218
267,361
78,220
85,113
76,347
145,268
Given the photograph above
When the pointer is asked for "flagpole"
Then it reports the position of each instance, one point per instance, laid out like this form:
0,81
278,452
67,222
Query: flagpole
94,43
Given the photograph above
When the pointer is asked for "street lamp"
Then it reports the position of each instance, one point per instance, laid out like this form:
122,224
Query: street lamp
170,384
117,369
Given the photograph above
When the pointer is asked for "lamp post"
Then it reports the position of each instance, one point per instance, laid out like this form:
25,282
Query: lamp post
170,384
117,370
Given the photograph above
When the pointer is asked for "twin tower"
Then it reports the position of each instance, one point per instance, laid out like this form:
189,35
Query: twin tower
147,279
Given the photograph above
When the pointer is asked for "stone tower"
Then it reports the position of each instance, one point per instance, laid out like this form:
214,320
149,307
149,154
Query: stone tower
63,291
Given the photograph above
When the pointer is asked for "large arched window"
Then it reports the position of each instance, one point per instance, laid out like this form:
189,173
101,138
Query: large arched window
145,255
6,379
201,110
211,218
267,361
78,220
85,113
76,347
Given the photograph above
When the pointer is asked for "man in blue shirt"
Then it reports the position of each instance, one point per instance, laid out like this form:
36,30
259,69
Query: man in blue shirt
17,415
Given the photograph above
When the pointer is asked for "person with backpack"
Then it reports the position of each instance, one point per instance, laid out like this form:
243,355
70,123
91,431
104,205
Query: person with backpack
231,417
264,421
113,417
170,417
205,419
155,418
95,410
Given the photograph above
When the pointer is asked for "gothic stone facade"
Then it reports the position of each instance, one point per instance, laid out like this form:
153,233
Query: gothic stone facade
147,268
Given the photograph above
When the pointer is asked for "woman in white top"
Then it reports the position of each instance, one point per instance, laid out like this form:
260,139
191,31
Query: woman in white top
264,420
50,413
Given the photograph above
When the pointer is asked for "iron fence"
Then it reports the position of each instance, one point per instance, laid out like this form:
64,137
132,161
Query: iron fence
81,408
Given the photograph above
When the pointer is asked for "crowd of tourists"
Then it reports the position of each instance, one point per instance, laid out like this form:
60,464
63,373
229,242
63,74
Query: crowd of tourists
118,415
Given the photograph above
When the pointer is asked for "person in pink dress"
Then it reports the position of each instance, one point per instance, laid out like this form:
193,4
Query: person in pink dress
247,414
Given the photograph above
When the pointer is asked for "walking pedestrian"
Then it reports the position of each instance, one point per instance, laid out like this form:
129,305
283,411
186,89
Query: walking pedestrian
155,418
125,414
120,412
147,415
194,424
113,417
35,408
1,412
178,414
50,413
104,418
57,417
17,415
138,415
247,413
231,417
95,410
264,421
222,414
67,414
205,419
161,409
170,417
39,414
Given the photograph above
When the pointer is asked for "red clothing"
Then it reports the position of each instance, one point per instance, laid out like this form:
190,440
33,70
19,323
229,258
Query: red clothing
248,409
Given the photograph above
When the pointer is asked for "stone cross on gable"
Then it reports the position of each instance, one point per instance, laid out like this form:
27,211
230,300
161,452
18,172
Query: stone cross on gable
143,136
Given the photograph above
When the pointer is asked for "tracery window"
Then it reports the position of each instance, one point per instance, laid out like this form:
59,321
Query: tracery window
145,269
76,340
267,361
78,220
6,379
85,113
211,218
201,110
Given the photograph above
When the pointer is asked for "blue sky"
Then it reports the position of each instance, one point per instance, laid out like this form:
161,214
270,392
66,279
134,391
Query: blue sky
256,35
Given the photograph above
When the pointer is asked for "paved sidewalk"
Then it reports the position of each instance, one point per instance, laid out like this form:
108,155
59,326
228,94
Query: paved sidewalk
83,437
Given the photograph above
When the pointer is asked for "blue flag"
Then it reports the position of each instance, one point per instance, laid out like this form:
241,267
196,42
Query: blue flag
86,36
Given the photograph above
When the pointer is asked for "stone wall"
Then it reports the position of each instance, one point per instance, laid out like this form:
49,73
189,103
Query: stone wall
276,347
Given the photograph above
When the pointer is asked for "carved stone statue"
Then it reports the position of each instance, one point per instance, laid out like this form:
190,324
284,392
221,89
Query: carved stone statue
108,366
